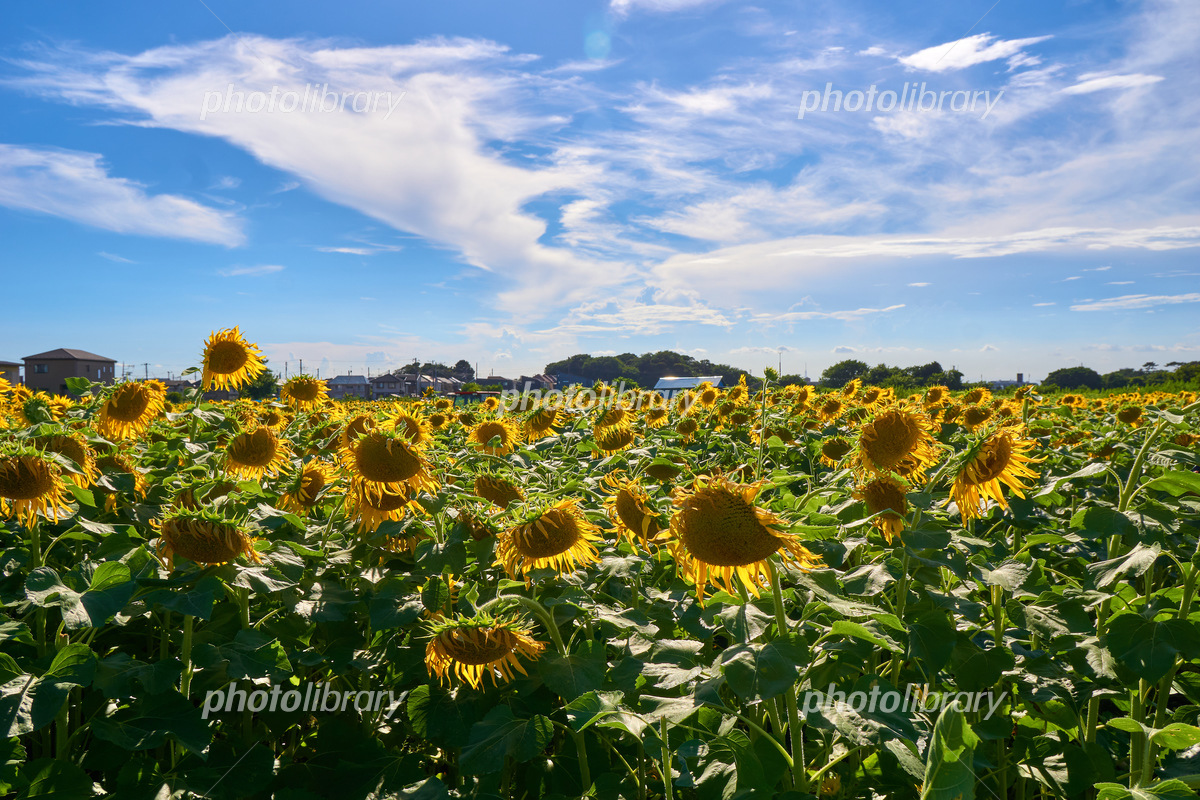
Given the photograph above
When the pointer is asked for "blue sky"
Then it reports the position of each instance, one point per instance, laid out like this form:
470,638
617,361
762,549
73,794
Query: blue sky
515,182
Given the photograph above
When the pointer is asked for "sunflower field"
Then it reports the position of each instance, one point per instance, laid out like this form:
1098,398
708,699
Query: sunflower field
611,595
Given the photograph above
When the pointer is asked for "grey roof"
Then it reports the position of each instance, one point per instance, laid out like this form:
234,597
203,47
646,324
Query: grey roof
67,354
687,383
339,380
9,364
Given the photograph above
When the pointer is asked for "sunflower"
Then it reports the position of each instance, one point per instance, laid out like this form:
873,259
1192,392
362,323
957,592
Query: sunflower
614,416
614,438
503,430
256,452
490,404
663,471
885,497
438,421
935,395
975,416
850,390
977,396
200,495
306,487
273,418
128,411
355,427
380,459
304,392
719,534
1130,415
373,505
738,394
685,402
478,647
497,490
897,440
412,427
205,538
443,404
707,395
31,483
1186,439
657,416
999,457
74,447
831,409
834,450
230,361
687,428
558,537
541,422
630,511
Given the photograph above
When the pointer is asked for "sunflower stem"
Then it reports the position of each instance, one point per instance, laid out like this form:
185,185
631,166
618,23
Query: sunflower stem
799,773
901,601
185,680
668,780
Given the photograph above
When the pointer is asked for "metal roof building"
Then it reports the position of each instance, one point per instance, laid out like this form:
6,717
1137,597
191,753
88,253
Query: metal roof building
669,387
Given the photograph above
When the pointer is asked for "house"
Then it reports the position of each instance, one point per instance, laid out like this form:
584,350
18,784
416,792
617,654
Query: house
48,372
389,385
10,371
564,380
669,387
349,386
538,382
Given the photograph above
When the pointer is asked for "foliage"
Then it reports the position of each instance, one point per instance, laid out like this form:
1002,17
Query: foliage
645,369
265,385
1072,609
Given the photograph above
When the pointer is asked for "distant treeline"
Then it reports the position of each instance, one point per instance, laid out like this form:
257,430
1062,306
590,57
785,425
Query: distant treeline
1150,375
643,371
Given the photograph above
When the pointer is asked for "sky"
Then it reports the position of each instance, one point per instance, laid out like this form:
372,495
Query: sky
1003,187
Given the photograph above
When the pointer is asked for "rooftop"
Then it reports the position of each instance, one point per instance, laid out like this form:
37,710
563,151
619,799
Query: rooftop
687,383
341,380
67,354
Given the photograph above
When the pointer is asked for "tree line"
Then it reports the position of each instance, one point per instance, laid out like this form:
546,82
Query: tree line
1150,375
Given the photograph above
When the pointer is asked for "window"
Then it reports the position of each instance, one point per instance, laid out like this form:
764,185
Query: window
87,367
41,369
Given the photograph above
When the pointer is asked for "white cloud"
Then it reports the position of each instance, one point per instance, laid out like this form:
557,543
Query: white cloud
75,185
1118,283
1137,301
262,269
623,7
844,316
920,284
963,53
989,348
1096,84
1096,269
1039,305
116,258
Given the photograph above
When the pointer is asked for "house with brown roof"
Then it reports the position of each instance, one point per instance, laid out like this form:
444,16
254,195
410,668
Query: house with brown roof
10,371
48,372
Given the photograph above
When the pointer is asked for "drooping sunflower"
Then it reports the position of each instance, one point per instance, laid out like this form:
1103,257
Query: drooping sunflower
541,422
706,395
614,438
657,416
504,431
30,483
471,649
353,428
897,440
975,416
74,447
719,535
128,411
977,396
205,538
305,488
935,395
630,510
1130,415
850,390
304,392
413,427
687,428
663,471
256,452
375,504
559,537
615,415
438,421
831,409
498,491
274,418
490,403
443,404
834,450
999,457
381,458
885,496
230,361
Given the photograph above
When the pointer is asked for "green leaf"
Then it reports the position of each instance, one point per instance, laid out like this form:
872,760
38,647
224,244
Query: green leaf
1176,736
440,717
931,639
949,774
1164,790
581,671
1176,482
251,654
1011,575
501,735
148,723
745,621
76,385
51,778
854,630
1135,562
1148,648
762,671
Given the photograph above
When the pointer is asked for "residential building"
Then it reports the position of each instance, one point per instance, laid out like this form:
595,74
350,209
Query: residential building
668,387
10,371
48,372
349,386
388,385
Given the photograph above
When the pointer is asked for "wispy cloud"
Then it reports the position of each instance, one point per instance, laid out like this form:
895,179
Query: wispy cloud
844,316
963,53
1137,301
262,269
75,185
1040,305
920,284
116,258
1089,84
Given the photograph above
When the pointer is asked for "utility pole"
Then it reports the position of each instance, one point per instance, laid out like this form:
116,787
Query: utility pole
302,367
146,366
285,366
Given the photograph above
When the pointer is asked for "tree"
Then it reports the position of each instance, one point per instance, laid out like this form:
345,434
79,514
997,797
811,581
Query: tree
838,375
463,370
1074,378
262,387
